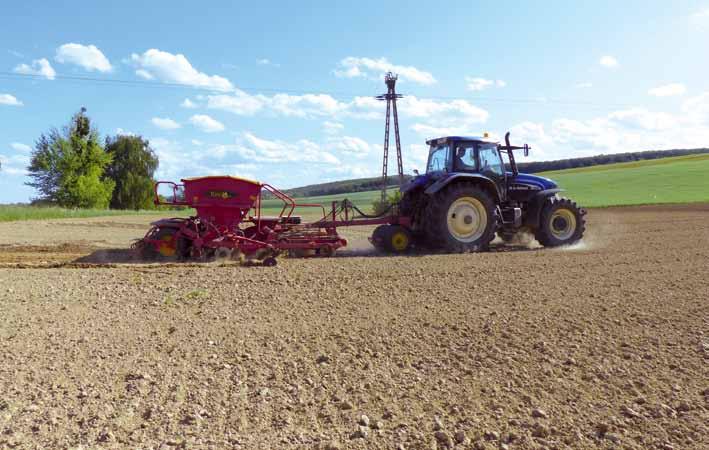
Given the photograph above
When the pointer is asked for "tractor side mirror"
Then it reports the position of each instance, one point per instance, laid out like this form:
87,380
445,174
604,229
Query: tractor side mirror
416,172
526,150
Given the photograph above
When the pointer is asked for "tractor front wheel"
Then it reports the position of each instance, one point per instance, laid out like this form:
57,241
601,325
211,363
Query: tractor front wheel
462,219
561,222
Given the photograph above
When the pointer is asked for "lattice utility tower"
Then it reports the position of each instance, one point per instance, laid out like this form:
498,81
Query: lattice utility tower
390,97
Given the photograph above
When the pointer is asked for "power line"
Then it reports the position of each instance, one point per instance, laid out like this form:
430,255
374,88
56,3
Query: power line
12,76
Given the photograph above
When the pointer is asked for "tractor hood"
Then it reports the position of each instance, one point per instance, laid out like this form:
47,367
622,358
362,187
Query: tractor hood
532,180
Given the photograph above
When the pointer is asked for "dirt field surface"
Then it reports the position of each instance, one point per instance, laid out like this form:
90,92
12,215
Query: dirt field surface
604,345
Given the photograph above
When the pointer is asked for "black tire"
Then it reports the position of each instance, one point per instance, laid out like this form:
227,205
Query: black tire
438,232
150,253
392,238
561,222
379,237
397,239
270,261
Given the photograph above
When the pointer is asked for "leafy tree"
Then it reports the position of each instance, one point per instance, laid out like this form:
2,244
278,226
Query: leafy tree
132,168
67,167
382,206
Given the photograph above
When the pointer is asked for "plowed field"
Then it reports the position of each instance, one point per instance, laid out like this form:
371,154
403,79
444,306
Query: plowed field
603,345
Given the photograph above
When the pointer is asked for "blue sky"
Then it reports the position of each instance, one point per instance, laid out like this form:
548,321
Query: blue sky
282,92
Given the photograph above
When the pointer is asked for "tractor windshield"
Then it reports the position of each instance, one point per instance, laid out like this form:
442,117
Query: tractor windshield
438,159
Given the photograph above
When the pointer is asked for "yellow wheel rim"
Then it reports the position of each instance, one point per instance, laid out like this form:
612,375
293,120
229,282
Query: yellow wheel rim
167,248
400,241
562,224
467,219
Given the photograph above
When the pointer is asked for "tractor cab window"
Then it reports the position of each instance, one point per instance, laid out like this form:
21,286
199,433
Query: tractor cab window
438,159
465,158
490,160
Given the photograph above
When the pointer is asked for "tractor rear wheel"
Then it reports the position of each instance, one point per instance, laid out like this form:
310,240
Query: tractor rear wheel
561,222
461,219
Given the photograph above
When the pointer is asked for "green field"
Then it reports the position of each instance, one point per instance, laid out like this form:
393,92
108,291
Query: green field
10,213
681,179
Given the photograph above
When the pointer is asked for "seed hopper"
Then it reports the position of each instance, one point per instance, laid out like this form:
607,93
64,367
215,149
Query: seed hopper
229,223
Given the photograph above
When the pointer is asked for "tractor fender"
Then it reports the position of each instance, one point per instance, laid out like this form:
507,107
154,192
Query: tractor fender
488,184
534,207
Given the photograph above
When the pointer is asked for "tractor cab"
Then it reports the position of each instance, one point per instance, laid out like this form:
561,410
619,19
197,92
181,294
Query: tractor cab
464,154
481,157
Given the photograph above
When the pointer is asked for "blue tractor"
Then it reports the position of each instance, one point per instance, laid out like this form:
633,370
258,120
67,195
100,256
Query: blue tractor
472,191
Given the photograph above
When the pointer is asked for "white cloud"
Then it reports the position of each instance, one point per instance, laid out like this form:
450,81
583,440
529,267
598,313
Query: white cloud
11,100
643,119
584,85
700,19
608,61
144,74
173,160
171,68
350,145
307,105
197,142
479,84
416,157
122,132
332,127
266,62
39,67
352,67
189,104
206,123
20,147
635,129
697,109
87,56
668,90
177,162
426,108
438,118
15,165
304,106
239,103
165,123
256,149
432,116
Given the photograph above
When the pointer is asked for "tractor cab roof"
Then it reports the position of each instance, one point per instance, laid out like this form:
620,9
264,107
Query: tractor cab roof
446,139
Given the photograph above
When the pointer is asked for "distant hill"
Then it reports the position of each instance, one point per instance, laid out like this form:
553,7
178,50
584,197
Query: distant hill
598,160
371,184
344,186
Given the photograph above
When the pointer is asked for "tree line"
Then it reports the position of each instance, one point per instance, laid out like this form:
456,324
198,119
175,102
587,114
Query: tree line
73,169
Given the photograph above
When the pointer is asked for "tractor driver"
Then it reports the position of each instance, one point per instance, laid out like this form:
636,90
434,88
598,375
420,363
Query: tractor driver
464,159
